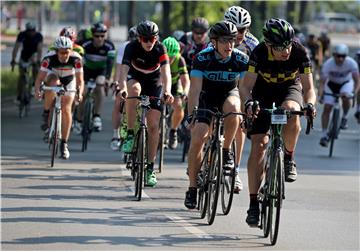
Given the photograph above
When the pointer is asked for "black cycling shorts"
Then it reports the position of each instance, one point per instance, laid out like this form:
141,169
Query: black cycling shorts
92,74
214,103
266,96
150,86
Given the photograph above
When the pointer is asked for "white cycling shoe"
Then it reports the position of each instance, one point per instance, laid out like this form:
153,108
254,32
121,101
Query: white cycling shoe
97,124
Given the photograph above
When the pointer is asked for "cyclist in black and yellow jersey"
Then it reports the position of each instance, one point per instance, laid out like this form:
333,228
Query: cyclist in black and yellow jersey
279,71
179,88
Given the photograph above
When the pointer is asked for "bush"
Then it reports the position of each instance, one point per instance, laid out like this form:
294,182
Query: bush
8,81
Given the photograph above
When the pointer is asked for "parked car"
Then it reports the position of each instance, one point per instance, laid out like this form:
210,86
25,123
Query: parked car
337,22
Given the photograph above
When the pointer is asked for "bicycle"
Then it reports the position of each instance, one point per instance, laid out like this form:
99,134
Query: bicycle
55,125
164,128
26,83
334,126
139,155
212,175
88,114
272,192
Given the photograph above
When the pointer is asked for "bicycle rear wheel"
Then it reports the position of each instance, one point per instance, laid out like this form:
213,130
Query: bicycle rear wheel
54,138
162,138
333,132
139,162
228,185
214,183
203,184
276,195
86,130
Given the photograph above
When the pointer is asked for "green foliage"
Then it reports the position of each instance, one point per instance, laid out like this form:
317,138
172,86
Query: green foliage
8,81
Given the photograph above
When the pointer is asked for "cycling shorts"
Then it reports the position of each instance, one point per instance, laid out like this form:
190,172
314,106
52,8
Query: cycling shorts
214,103
345,88
71,86
261,124
89,73
177,89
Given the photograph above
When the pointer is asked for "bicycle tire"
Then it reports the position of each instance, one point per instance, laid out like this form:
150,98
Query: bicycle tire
276,195
214,183
162,139
228,185
333,130
86,130
186,145
203,184
54,138
265,202
140,163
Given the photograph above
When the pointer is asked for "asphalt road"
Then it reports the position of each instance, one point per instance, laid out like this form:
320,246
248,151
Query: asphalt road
87,203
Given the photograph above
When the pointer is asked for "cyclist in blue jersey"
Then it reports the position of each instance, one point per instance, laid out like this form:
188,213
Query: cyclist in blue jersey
217,71
245,42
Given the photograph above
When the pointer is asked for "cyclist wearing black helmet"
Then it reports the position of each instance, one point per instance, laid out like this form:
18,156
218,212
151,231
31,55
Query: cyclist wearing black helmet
98,63
279,71
145,70
194,41
216,74
32,43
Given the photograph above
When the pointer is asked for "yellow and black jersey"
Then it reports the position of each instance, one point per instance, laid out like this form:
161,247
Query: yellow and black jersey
271,71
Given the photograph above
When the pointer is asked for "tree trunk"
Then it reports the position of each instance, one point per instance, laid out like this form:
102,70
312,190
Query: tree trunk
166,19
131,13
185,17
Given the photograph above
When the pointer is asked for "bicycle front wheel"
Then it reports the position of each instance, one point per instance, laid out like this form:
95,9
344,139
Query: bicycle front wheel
139,163
228,185
334,128
162,139
86,130
214,183
276,195
54,137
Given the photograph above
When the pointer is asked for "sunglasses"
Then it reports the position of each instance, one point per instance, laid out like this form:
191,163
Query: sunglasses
148,39
197,32
64,52
224,40
98,36
341,56
281,48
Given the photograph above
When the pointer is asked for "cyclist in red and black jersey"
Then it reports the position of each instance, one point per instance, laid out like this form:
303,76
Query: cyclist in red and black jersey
145,70
279,71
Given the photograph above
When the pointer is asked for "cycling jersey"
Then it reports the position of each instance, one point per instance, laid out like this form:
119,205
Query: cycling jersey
29,44
248,44
77,48
190,49
65,71
177,67
339,73
99,60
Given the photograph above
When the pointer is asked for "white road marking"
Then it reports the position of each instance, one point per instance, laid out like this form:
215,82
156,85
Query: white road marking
189,227
143,195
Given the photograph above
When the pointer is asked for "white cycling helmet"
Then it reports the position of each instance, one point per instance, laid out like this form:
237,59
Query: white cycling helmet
341,49
238,16
63,43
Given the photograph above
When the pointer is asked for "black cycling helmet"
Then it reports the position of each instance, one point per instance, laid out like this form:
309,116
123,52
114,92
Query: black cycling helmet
98,27
200,24
278,32
29,26
147,29
132,33
223,29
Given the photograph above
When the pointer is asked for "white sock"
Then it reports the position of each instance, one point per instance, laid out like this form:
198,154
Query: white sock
116,134
324,133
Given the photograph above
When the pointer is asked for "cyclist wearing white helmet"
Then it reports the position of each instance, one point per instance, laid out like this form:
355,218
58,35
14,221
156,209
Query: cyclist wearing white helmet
245,41
63,66
339,75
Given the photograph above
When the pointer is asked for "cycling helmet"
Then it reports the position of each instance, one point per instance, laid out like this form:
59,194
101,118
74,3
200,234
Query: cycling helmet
238,16
62,43
68,32
178,34
147,29
200,24
172,46
278,32
223,29
29,26
98,27
132,33
341,49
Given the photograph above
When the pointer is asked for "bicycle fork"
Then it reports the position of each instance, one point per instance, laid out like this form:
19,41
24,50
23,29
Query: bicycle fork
56,116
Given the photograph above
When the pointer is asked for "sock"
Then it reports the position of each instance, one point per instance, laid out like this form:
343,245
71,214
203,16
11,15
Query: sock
150,166
116,134
324,133
63,141
253,200
130,131
288,155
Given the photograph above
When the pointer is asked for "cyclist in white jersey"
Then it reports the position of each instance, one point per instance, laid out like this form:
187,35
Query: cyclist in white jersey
339,75
245,42
116,113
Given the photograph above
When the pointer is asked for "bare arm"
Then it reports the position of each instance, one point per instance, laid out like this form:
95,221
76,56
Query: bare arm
194,93
15,51
166,78
39,79
123,71
247,85
185,82
308,88
80,82
39,51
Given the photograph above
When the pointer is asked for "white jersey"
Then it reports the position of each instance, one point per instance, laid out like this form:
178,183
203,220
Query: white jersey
339,73
121,52
248,44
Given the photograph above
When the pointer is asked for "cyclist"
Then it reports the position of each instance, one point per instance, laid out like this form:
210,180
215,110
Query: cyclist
98,63
70,33
145,70
216,73
61,67
279,71
325,44
32,43
339,75
245,42
357,113
316,55
179,89
116,113
194,41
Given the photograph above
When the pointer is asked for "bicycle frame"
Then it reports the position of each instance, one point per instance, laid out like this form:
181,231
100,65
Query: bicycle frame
87,114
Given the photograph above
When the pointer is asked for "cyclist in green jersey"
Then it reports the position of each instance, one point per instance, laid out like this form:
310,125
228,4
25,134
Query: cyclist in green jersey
179,88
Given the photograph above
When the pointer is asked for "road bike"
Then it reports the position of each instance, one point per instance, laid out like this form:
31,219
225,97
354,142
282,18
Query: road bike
272,192
212,176
55,135
87,125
